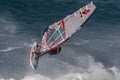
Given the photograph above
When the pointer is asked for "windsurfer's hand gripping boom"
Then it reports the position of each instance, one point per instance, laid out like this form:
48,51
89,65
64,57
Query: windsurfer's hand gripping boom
54,51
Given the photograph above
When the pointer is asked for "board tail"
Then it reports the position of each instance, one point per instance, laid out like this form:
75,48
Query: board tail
34,58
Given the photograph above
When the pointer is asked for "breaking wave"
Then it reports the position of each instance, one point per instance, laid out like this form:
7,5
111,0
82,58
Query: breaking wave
95,71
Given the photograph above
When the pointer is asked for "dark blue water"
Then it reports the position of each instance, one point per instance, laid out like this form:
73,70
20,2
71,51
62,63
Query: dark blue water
92,54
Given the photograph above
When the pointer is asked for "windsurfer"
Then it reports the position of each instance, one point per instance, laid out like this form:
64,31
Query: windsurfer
54,51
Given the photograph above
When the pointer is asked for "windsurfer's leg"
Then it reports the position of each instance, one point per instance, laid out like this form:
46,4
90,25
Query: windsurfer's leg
37,51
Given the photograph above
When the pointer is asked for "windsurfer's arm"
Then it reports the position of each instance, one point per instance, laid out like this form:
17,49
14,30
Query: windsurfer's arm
45,52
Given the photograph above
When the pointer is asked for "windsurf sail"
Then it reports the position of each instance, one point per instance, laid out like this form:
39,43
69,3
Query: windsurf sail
62,30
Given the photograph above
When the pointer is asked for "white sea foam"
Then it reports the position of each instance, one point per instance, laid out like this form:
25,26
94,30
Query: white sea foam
9,49
35,77
7,79
94,71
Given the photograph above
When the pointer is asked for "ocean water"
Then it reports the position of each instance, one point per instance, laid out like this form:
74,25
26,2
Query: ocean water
92,54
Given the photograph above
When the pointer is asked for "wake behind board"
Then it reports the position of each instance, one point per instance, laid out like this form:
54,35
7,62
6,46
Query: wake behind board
34,58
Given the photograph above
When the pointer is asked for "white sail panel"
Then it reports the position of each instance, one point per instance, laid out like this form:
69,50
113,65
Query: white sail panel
74,21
